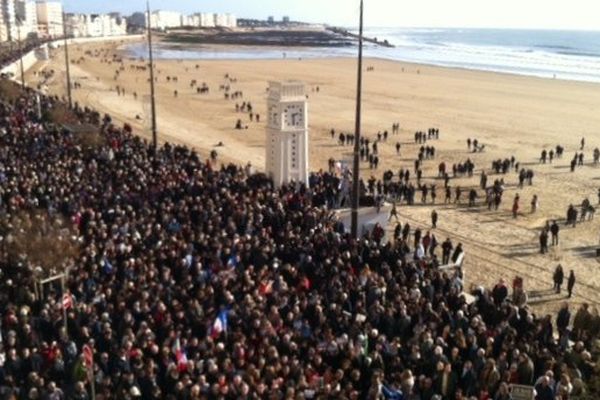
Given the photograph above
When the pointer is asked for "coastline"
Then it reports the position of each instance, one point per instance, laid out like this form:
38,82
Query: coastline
311,54
193,52
567,55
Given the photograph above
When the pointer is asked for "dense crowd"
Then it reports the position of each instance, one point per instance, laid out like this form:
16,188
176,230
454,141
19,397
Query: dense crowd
193,281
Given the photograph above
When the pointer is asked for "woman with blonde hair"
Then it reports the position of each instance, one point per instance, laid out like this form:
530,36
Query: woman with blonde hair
564,386
503,392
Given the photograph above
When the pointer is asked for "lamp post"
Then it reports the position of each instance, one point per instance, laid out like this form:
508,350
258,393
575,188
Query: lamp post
68,69
356,166
152,96
20,53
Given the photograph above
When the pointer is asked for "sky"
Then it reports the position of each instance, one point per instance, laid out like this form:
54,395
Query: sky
530,14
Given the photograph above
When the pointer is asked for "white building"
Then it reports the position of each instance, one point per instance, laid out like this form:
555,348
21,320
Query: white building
95,25
225,20
207,20
191,20
172,19
17,18
287,133
8,20
50,19
165,19
77,25
26,11
231,21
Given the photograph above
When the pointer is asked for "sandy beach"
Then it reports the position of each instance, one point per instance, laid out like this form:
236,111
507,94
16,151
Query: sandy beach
511,115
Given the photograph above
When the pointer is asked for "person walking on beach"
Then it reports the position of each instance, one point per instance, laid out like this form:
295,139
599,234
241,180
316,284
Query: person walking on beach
534,203
544,241
562,321
446,249
417,234
570,283
572,216
406,232
558,278
448,197
554,229
483,180
582,143
393,212
515,207
458,192
434,218
472,197
397,231
378,202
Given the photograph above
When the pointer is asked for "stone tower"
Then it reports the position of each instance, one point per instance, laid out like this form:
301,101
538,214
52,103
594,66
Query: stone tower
287,133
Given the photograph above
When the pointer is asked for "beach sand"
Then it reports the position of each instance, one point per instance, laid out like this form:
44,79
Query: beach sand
511,115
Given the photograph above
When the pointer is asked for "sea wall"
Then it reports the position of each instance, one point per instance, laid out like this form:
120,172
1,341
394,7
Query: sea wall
13,69
40,53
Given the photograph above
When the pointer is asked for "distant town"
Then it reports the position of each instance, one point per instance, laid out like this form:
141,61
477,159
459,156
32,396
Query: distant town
22,19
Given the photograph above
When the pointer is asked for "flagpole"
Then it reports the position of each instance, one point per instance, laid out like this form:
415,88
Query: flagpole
68,70
20,53
226,324
152,96
356,166
63,287
93,380
88,351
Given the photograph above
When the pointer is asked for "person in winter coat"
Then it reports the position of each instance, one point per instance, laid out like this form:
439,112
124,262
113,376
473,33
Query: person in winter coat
558,277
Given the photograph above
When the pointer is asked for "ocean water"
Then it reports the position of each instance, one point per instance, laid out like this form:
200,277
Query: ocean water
571,55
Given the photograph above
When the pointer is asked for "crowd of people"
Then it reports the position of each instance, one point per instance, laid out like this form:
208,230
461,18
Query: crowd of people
197,281
170,245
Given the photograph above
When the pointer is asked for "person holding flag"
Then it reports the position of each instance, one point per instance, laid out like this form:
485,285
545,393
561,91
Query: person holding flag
180,356
67,301
221,324
107,267
233,261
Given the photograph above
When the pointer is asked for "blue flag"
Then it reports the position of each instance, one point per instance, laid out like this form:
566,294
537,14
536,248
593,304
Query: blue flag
107,266
232,262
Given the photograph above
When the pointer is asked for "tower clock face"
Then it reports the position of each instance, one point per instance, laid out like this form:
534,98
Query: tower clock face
293,116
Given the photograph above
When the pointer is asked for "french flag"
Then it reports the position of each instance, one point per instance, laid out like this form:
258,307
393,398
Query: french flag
67,301
180,356
266,287
220,325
